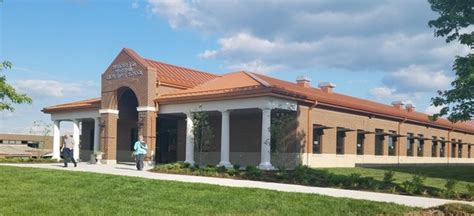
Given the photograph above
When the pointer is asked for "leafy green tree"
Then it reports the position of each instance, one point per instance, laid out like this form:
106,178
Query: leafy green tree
8,94
203,132
456,16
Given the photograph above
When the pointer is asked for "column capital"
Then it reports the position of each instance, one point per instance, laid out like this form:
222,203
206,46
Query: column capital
224,111
146,109
111,111
265,109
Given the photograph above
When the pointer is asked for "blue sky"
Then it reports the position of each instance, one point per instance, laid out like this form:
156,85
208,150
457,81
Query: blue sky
378,50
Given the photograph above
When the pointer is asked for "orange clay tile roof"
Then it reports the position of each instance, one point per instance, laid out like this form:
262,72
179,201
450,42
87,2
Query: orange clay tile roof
77,105
179,76
241,84
227,83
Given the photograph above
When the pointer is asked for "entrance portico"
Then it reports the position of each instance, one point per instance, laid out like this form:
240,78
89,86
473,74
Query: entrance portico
76,118
225,108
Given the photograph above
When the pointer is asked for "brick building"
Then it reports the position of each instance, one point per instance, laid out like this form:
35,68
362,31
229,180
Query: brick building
255,119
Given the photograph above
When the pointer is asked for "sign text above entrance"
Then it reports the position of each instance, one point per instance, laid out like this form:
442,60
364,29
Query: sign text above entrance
124,70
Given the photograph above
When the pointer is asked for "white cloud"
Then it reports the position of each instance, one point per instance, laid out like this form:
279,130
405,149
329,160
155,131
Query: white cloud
416,78
383,52
256,66
430,110
207,54
178,12
388,95
51,88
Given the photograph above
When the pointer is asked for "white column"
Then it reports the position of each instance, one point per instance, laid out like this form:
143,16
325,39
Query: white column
189,140
56,140
96,134
75,136
225,140
265,163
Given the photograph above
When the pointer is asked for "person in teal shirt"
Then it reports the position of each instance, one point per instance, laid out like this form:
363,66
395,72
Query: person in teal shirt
140,148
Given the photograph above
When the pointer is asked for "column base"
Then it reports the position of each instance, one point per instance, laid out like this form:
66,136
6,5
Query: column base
266,166
190,162
149,163
108,162
225,164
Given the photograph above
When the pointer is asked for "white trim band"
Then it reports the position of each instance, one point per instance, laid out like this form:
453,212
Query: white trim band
146,108
111,111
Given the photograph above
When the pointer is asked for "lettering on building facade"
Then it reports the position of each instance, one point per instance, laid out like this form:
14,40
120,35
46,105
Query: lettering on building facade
124,70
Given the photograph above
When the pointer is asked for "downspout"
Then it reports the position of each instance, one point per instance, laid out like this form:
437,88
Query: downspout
450,145
398,140
308,123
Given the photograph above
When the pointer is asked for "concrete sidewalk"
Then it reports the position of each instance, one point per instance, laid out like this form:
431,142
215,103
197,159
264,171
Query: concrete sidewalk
128,170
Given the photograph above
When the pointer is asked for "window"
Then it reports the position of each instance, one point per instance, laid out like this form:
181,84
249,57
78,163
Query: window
469,151
341,134
317,140
392,143
459,149
442,147
379,137
360,143
434,147
410,142
420,142
1,142
24,142
33,145
453,148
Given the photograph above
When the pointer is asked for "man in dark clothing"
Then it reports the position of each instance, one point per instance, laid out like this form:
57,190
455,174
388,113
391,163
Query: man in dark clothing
68,150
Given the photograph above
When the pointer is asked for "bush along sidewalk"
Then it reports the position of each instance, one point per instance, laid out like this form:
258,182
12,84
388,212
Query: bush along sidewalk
28,160
304,175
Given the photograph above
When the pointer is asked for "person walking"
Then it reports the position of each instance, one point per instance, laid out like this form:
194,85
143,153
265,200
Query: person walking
68,150
140,148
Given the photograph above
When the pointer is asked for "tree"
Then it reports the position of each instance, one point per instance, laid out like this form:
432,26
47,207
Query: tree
8,94
203,132
456,16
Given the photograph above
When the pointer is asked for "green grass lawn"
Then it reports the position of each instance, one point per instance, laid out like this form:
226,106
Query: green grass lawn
29,191
436,176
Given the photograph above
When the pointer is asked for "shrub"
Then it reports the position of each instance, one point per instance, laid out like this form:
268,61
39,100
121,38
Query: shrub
449,188
353,180
233,172
236,166
470,191
388,177
221,169
415,186
302,175
186,165
253,172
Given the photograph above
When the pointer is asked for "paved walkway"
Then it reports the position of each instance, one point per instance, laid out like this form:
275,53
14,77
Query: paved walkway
128,170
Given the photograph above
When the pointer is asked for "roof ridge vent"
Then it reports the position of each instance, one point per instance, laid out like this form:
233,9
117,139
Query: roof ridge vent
326,87
303,81
410,107
398,104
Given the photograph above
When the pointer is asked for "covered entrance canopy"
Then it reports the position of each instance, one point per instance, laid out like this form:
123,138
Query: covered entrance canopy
225,107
